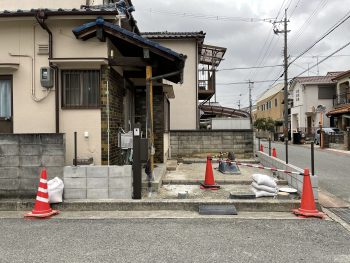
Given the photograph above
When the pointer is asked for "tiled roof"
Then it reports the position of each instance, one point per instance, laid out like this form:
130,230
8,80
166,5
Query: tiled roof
342,75
328,79
173,35
60,11
339,111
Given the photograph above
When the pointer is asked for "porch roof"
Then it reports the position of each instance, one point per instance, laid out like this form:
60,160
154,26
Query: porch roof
339,111
133,45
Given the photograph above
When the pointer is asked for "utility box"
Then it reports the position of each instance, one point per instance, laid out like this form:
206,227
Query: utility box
46,77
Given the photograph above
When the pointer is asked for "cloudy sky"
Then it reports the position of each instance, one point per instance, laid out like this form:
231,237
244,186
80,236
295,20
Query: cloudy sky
244,28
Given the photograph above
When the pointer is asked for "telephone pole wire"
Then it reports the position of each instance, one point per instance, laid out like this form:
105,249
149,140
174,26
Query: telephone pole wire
250,101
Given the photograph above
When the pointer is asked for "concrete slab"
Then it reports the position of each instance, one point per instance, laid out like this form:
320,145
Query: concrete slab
171,165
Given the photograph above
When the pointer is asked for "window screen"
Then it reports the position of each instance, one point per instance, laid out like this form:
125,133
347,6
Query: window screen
80,88
326,92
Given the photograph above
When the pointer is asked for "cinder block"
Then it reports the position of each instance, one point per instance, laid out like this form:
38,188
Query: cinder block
116,171
9,149
121,182
33,160
8,139
75,182
52,138
30,149
29,183
97,183
8,172
74,193
54,160
74,171
53,149
53,172
9,161
120,193
29,172
128,170
9,184
29,139
96,171
97,194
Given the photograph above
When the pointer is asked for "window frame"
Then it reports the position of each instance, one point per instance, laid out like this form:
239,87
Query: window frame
63,104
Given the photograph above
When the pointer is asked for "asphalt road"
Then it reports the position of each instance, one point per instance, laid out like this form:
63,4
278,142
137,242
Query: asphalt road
173,240
333,168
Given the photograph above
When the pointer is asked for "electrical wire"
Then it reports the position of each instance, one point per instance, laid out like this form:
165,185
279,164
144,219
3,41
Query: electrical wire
254,67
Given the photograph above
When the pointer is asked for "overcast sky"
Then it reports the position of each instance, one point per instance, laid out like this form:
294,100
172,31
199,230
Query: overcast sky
245,41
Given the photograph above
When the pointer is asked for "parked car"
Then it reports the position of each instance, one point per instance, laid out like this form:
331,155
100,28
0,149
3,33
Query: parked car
327,131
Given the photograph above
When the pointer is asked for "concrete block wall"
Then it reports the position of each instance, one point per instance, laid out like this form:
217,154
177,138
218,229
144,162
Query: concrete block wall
98,182
22,157
295,181
196,142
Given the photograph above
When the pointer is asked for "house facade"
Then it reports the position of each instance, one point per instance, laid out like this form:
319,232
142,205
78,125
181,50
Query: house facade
312,97
72,67
341,102
270,104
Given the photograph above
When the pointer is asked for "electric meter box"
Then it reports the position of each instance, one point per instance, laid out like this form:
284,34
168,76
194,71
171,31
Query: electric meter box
46,77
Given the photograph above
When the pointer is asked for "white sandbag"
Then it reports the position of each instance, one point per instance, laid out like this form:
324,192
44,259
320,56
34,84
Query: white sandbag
264,179
55,190
264,187
259,193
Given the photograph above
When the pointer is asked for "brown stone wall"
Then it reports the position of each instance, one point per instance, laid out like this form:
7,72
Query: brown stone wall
116,93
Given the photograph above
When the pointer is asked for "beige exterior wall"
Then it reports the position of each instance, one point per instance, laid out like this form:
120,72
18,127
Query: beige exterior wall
183,108
29,116
276,113
29,4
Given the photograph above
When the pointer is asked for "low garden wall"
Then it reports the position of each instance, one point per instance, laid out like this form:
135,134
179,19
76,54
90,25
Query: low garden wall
22,157
201,142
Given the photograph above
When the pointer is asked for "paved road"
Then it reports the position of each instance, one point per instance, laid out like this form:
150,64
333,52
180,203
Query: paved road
333,168
173,240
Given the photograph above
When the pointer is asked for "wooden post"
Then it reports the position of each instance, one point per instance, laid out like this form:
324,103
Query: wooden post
149,94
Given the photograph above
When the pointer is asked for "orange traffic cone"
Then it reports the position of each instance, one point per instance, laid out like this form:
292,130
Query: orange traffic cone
274,154
209,182
261,148
307,206
42,208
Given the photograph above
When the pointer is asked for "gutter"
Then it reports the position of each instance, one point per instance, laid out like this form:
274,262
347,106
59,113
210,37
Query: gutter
41,17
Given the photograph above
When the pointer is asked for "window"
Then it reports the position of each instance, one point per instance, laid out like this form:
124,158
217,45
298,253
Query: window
5,98
270,104
326,92
80,88
297,95
275,102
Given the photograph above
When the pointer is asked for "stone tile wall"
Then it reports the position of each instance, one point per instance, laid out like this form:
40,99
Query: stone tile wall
22,157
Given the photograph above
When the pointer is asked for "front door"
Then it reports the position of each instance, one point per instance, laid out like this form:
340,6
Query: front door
308,125
6,123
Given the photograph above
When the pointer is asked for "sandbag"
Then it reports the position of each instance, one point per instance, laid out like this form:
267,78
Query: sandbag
259,193
263,179
266,188
55,190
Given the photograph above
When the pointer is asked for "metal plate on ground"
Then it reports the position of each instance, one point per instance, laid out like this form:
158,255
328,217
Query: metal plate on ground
342,212
242,195
217,210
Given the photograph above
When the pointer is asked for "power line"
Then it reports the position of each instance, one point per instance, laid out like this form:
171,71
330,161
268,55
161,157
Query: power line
295,7
254,67
330,30
209,17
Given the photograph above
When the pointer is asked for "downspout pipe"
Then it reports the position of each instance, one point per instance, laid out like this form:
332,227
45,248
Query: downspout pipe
41,17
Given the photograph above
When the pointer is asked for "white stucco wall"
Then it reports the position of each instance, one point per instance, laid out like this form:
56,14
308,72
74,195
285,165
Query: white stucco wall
29,116
183,108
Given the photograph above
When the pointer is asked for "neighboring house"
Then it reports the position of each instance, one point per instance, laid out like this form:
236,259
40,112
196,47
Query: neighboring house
309,95
341,102
271,104
199,75
69,68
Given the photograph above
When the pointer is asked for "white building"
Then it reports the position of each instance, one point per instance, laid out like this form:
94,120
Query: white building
309,95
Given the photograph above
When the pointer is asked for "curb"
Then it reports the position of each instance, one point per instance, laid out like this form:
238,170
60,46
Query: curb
258,205
218,181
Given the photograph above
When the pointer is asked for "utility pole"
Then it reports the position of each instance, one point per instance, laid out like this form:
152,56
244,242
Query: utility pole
250,100
286,103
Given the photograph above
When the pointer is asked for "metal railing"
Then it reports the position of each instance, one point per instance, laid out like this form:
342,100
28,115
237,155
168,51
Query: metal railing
342,98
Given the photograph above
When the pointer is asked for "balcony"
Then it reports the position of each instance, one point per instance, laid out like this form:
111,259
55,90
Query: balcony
341,99
209,59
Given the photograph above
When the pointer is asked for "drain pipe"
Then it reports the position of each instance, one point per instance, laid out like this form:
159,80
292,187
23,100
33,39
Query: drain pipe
41,17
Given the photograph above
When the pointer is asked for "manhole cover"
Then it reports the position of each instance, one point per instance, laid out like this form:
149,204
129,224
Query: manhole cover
343,213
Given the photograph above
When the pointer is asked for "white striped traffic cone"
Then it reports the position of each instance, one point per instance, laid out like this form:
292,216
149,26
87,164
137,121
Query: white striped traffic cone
42,208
